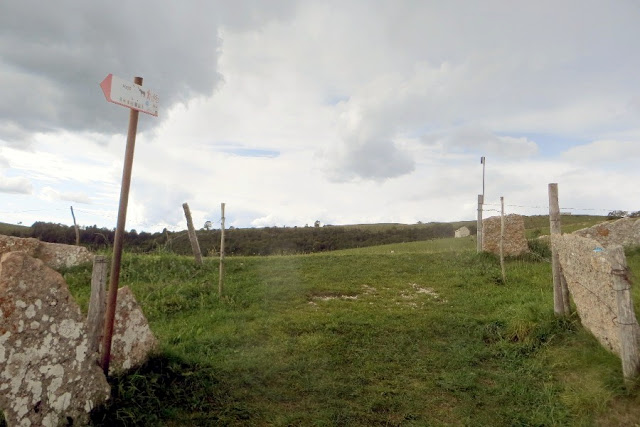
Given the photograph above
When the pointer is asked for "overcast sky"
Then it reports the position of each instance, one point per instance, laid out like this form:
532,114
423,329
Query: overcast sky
340,111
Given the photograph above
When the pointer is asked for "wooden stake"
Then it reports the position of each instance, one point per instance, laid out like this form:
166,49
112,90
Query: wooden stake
479,228
561,303
76,227
114,279
221,273
629,351
504,278
193,238
97,303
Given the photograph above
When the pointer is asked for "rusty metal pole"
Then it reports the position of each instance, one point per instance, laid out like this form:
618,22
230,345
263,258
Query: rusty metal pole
114,279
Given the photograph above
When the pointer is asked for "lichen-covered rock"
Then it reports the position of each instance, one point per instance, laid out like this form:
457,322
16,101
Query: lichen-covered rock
55,255
132,340
587,267
46,376
625,232
18,244
515,242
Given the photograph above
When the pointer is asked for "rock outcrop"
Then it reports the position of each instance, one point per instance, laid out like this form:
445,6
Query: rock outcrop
46,376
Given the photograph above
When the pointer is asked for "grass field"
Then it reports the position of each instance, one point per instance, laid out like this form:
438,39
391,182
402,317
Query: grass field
414,334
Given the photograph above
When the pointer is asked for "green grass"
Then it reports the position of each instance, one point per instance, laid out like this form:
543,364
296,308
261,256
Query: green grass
424,335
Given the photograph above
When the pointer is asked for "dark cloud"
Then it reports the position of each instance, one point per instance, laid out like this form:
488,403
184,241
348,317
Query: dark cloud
53,55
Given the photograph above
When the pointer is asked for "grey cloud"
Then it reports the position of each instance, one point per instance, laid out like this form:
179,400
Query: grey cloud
482,141
376,159
15,185
53,55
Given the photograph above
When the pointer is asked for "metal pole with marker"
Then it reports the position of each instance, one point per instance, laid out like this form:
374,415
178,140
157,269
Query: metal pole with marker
136,98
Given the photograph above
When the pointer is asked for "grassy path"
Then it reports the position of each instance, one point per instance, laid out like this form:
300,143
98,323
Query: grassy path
416,334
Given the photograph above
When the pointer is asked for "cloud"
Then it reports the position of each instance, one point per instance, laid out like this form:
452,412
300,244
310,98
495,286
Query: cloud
54,55
482,141
49,193
604,151
15,185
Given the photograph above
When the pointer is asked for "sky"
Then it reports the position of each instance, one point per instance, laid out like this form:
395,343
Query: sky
345,112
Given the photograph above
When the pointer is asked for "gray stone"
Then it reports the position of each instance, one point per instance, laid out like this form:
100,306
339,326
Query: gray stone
586,265
515,242
462,232
624,231
55,255
132,340
46,375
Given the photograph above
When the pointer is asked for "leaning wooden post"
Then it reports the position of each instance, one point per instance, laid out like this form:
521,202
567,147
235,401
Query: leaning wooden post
195,246
76,227
221,273
504,278
626,319
561,303
97,303
479,228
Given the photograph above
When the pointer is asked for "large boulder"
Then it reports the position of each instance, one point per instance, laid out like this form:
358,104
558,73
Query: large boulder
46,376
132,340
55,255
625,232
515,242
587,268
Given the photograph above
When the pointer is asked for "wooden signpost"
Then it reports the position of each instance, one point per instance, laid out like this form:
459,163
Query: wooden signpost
136,98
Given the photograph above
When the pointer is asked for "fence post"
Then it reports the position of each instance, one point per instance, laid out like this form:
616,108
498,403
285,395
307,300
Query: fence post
75,225
97,303
561,302
504,278
221,273
193,238
627,323
479,228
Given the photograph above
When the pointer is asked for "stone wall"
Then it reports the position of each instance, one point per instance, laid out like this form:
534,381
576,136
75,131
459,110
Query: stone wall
625,232
515,242
55,255
587,266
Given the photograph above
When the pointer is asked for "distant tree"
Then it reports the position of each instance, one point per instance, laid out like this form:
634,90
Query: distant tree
317,224
208,225
617,214
635,214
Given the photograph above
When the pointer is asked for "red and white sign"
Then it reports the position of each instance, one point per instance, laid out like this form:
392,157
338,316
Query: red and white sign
129,94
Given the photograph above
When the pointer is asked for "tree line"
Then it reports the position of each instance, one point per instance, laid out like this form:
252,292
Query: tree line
245,241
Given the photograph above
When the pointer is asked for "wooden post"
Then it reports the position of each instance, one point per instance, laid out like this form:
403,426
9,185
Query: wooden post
504,278
221,273
114,279
479,228
193,238
97,303
76,227
627,323
561,303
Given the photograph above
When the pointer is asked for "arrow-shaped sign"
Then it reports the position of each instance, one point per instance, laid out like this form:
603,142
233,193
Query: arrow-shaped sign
131,95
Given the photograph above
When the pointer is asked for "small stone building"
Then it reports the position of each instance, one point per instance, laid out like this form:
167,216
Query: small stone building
462,232
515,242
